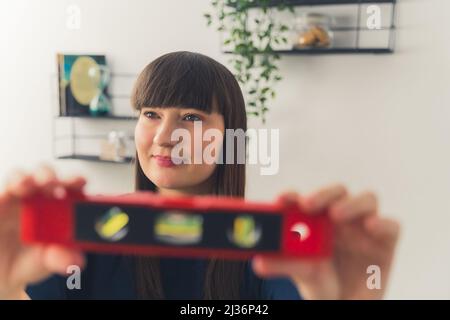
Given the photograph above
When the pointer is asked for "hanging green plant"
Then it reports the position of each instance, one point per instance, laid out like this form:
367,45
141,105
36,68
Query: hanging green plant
251,32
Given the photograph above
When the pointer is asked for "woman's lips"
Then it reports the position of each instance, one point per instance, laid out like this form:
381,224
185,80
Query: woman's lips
165,161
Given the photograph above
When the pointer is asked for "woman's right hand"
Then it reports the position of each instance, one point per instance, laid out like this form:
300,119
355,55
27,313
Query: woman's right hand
21,265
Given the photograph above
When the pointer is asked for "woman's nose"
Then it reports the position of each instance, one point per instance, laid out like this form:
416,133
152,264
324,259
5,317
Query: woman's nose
164,134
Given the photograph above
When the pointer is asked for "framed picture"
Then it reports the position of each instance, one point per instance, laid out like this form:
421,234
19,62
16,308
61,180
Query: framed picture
83,85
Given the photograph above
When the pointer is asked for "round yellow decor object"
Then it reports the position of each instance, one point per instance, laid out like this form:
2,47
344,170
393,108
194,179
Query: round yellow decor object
84,79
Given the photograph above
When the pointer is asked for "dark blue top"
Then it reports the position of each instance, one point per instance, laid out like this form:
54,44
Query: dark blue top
112,277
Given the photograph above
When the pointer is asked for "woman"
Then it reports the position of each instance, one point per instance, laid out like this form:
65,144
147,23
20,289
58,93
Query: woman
174,92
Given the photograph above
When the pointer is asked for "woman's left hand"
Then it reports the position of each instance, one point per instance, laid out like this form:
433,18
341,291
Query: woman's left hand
361,239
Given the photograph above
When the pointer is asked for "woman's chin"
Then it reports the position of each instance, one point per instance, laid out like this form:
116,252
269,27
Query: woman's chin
167,183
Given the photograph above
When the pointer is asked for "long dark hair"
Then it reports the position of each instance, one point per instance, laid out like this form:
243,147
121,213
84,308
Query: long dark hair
187,79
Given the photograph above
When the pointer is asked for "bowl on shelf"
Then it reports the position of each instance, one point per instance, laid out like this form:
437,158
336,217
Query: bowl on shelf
312,30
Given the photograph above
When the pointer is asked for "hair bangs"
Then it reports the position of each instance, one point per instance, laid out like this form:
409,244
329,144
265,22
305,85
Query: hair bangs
179,79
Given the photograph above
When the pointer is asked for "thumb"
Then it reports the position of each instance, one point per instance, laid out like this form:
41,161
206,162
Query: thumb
314,278
57,259
36,263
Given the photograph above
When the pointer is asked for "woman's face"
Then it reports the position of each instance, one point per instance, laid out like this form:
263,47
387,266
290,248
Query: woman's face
154,146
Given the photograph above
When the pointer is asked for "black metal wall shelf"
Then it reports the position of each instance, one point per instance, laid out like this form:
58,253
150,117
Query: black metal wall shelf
74,137
336,51
76,130
319,51
357,29
93,158
275,3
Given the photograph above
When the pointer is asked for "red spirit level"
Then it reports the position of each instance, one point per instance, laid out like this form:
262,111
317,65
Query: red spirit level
148,224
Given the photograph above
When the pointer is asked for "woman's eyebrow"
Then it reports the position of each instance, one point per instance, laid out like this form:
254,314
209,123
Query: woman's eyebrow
180,108
194,110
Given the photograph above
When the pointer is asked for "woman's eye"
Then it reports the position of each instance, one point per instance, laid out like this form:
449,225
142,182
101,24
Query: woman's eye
151,115
192,117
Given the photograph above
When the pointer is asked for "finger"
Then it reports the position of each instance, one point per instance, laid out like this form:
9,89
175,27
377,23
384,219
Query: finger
275,267
3,199
323,198
48,182
383,228
74,183
303,269
355,207
44,174
36,263
290,197
58,259
19,185
315,279
13,175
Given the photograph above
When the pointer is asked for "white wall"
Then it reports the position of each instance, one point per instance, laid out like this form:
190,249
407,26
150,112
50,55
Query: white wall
372,122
